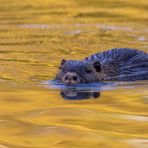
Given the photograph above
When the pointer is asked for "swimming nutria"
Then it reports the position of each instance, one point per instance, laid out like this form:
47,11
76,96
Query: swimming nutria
118,64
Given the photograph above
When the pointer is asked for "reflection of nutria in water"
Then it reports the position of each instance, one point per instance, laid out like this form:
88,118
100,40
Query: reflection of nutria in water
79,95
121,64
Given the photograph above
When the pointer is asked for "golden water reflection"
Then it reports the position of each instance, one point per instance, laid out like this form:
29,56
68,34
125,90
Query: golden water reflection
34,36
35,116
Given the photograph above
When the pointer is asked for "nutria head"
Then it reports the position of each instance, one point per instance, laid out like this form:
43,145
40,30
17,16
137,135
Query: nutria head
74,72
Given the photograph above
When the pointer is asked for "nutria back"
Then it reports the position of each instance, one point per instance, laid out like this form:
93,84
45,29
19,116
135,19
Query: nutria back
123,64
120,64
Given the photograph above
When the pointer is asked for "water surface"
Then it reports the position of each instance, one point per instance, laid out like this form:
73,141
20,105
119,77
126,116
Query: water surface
34,37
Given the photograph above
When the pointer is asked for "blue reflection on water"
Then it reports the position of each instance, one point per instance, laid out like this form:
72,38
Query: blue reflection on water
91,86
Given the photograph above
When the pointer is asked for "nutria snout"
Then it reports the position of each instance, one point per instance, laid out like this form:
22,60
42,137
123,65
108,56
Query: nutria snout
71,78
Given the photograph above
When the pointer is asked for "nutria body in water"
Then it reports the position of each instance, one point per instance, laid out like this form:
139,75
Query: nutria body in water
118,64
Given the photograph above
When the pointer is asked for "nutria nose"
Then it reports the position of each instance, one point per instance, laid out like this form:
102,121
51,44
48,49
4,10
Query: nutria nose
71,78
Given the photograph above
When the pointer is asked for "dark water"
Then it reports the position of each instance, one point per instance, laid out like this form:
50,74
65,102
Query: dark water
34,37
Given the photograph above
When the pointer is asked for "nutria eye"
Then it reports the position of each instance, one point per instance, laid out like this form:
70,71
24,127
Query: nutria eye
88,71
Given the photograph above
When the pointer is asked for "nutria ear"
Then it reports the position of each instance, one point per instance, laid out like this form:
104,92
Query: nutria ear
97,66
63,61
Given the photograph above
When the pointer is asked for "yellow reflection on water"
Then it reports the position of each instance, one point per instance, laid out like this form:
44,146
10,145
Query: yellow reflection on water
34,116
34,36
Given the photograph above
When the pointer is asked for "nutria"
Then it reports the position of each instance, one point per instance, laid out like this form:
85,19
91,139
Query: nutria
118,64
